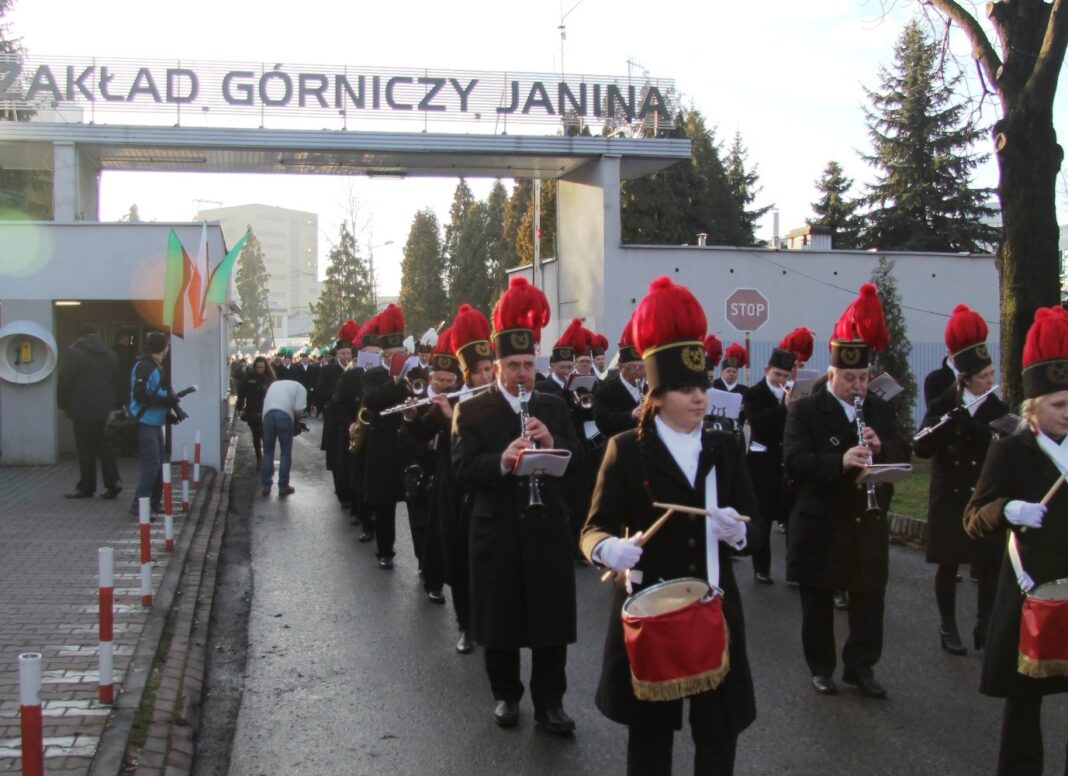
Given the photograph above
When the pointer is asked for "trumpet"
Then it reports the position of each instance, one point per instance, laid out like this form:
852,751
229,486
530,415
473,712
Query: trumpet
872,507
463,392
582,400
535,507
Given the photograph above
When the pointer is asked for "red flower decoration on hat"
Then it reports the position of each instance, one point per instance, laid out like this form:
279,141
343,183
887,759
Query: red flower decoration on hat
668,313
522,306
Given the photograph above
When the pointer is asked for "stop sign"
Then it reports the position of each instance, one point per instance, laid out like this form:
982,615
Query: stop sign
747,309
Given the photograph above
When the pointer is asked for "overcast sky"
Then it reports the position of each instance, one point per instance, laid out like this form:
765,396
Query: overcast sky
787,74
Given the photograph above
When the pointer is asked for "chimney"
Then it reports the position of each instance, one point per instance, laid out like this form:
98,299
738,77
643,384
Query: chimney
702,238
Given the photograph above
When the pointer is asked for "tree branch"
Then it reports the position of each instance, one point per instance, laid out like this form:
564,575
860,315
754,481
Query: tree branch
982,49
1043,80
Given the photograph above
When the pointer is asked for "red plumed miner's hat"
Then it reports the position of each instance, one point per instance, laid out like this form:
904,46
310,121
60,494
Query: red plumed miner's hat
860,332
736,356
518,318
801,342
443,357
598,345
966,334
391,327
627,351
471,336
572,343
668,327
713,352
1045,353
347,334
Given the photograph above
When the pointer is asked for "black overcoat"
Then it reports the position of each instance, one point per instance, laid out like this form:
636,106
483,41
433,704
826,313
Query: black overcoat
344,404
936,382
832,543
327,382
957,451
383,453
766,415
88,384
613,408
1017,468
522,568
622,502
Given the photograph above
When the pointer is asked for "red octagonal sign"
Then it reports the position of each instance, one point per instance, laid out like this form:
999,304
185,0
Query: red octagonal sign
747,309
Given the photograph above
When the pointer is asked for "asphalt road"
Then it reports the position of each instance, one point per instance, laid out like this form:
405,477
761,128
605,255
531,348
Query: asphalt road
351,670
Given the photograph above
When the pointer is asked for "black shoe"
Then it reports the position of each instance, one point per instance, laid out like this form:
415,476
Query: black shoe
506,713
867,686
367,536
435,596
555,721
78,494
824,685
764,579
464,645
113,491
841,600
951,642
385,563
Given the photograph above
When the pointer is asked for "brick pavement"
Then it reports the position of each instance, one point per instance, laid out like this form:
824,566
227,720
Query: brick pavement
48,574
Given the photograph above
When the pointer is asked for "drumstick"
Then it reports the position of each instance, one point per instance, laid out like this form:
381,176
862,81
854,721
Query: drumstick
645,537
696,511
1053,489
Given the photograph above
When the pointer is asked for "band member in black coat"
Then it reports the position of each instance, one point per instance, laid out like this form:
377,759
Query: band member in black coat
1017,475
598,355
618,404
383,466
734,360
938,380
335,422
765,407
522,568
671,457
958,448
834,543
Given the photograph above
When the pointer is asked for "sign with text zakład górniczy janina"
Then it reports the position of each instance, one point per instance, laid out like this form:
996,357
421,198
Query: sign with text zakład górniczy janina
193,92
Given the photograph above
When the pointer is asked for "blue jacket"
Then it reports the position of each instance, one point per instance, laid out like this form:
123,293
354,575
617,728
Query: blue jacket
149,394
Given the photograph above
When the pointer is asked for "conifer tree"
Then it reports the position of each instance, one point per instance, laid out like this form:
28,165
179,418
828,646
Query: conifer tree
496,241
742,183
462,201
346,291
514,210
422,292
470,281
895,359
923,199
256,329
835,209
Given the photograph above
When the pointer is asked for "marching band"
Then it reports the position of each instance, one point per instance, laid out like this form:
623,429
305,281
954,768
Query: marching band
509,477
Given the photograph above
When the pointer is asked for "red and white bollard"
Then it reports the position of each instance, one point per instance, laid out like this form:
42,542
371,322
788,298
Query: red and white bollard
167,505
168,532
106,558
146,554
196,462
30,714
185,478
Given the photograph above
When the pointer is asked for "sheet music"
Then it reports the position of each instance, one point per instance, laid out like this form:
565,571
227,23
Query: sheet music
885,387
724,404
368,360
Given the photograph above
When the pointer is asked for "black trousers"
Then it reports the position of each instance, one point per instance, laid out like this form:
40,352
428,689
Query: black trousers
548,676
1021,752
255,425
92,444
385,517
418,516
863,646
649,749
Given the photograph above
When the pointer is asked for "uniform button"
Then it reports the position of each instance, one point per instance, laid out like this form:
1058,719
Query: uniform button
858,519
692,568
975,463
692,542
971,490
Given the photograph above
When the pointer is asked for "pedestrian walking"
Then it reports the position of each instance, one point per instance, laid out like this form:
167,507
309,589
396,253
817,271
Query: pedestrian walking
250,393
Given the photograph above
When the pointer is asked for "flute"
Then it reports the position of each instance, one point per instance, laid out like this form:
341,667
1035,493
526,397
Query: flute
428,400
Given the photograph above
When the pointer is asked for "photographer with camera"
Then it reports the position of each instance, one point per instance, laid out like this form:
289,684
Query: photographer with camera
282,409
153,402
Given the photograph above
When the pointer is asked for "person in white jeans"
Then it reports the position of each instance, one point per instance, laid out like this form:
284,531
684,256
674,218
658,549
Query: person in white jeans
282,405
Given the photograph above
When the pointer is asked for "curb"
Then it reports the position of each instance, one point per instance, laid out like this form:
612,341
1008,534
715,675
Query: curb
909,527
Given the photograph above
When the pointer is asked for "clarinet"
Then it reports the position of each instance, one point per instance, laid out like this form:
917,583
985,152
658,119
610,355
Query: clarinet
872,507
535,507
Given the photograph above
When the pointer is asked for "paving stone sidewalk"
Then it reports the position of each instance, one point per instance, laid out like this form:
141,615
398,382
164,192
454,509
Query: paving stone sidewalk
48,603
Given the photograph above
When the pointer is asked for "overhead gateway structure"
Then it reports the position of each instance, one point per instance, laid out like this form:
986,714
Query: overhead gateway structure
85,116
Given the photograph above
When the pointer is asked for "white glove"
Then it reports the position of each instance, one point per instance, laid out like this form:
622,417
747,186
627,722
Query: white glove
726,528
620,554
1025,513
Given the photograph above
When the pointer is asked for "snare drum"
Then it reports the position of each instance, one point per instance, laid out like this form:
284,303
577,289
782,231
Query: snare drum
1044,631
676,639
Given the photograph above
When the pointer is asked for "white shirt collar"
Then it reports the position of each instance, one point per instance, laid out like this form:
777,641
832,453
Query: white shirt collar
685,447
558,381
513,401
1057,452
850,410
728,386
968,397
632,390
775,389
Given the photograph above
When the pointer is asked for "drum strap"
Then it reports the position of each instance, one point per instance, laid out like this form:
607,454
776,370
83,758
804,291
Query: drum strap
1023,579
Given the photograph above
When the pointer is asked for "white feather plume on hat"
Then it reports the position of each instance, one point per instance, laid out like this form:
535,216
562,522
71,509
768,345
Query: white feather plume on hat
429,338
409,343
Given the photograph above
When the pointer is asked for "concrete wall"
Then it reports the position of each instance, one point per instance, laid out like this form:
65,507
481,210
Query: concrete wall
44,261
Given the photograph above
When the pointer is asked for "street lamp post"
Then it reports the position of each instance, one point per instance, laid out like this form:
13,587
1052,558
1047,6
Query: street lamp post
371,269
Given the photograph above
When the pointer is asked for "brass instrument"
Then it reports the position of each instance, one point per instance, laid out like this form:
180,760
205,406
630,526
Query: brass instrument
363,423
535,507
583,401
463,392
872,507
416,386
